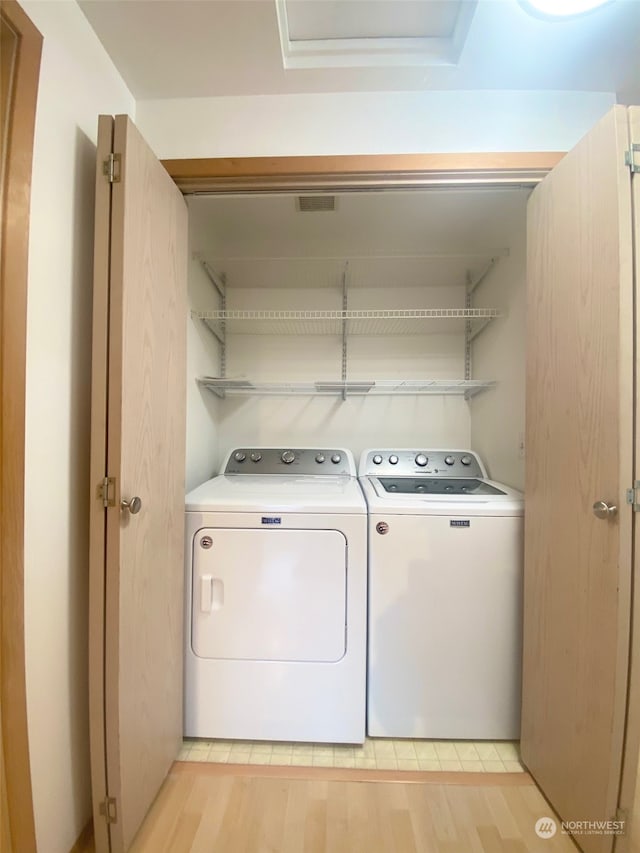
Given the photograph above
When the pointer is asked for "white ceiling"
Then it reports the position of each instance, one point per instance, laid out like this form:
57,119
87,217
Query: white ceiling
205,48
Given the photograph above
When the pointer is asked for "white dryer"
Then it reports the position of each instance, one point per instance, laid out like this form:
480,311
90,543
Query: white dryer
445,597
277,598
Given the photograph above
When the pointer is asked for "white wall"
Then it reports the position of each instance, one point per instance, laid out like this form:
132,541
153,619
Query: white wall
369,123
497,416
77,82
358,422
402,251
203,359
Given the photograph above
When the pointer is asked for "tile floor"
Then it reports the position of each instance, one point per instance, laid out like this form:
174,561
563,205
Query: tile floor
375,754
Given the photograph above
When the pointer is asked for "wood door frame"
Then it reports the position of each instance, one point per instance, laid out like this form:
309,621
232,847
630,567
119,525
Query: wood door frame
352,172
13,315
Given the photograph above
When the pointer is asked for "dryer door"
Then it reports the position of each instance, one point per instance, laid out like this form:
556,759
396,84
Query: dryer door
269,595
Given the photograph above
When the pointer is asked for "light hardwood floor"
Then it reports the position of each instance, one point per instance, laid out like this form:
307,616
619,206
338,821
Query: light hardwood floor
203,811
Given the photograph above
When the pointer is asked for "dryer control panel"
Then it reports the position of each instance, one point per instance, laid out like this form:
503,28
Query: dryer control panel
290,460
409,463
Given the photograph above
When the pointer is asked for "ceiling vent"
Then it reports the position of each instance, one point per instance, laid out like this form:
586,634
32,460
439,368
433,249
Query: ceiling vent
315,203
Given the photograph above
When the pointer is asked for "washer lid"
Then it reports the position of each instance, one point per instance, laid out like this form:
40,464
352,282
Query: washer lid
435,486
474,496
277,493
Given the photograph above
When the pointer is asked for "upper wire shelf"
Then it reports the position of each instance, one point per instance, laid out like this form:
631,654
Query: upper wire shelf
359,322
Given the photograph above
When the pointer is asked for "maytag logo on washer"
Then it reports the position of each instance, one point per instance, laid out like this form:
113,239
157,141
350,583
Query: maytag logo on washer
459,522
546,827
271,519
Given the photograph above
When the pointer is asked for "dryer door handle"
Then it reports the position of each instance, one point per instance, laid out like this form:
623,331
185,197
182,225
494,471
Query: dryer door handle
211,593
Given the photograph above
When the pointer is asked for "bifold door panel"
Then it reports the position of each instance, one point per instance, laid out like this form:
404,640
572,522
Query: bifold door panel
271,595
138,441
580,404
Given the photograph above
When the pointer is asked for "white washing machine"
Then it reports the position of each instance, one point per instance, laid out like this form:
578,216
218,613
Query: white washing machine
277,599
445,597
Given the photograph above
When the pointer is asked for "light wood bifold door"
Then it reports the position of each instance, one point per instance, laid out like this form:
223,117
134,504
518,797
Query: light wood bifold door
578,544
138,436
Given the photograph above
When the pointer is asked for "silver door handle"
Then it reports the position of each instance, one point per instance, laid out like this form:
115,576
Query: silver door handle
134,505
601,509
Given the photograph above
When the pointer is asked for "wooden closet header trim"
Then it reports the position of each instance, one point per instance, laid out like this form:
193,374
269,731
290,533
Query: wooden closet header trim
370,171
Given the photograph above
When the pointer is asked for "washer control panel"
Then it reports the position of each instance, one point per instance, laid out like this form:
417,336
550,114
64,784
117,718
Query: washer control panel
289,460
435,463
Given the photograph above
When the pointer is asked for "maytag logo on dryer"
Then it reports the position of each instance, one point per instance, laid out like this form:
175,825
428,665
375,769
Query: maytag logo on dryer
459,522
271,519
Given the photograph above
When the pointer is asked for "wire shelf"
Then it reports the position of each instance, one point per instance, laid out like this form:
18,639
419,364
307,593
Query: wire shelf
354,387
371,322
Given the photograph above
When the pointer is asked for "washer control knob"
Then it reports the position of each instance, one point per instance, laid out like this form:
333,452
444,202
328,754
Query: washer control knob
449,460
377,459
421,460
256,457
336,458
239,455
288,457
466,460
393,459
320,458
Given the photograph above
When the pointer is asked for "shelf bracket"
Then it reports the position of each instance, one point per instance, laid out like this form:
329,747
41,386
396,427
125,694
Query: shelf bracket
475,331
220,284
472,331
473,283
472,392
467,331
215,330
344,330
218,281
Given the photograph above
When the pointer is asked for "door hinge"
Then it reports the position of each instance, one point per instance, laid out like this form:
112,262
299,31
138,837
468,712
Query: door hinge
633,496
630,158
111,168
621,819
107,491
109,809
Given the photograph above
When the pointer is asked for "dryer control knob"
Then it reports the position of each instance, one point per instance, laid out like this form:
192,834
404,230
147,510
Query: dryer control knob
256,457
393,459
377,459
320,458
336,458
421,460
239,456
449,460
466,460
288,457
